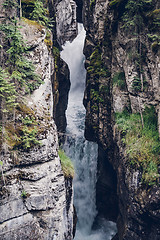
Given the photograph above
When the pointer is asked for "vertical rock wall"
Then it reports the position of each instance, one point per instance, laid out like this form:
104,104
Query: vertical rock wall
36,202
65,30
109,50
66,22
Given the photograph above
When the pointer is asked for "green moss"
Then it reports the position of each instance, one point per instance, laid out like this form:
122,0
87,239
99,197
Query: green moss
22,108
49,43
119,80
92,4
28,1
66,163
24,134
95,95
142,144
96,67
33,23
56,54
155,46
137,85
35,10
115,3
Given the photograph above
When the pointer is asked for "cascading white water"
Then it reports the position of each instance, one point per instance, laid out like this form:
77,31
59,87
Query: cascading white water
83,153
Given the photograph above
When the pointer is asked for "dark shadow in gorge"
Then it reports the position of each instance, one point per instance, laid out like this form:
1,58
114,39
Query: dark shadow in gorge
106,188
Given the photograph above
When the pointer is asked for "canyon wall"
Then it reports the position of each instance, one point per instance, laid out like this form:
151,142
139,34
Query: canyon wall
120,47
36,199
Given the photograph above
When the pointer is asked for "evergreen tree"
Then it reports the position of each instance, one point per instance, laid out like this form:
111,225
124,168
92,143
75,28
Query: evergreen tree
7,102
20,68
134,15
39,13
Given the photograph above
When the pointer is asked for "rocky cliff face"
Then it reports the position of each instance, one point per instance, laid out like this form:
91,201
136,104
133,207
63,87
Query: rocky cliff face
36,201
66,23
64,13
122,62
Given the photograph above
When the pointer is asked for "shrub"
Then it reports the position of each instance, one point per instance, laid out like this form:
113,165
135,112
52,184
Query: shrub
66,163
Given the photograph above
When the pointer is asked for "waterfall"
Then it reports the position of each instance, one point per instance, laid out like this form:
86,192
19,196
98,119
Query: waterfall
83,153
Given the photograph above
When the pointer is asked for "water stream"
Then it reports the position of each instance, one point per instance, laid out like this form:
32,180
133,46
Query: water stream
82,152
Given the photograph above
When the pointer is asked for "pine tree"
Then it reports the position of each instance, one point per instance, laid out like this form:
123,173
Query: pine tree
7,102
20,68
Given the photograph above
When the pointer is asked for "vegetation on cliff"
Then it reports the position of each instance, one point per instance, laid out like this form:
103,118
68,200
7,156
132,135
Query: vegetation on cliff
18,126
142,144
66,163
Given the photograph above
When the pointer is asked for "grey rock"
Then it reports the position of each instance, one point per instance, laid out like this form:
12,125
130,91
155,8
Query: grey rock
33,199
66,23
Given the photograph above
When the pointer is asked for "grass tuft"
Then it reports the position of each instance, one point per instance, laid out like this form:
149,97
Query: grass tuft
66,163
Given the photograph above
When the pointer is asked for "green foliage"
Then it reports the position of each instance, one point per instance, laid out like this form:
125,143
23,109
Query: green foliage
92,4
24,135
27,134
137,85
155,38
1,163
35,10
24,194
28,138
67,165
21,70
56,54
95,95
7,104
39,13
119,80
10,4
133,17
7,93
142,144
115,3
154,20
97,68
48,40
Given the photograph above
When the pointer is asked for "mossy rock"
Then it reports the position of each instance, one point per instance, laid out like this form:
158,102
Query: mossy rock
66,163
115,3
33,23
155,46
28,1
48,43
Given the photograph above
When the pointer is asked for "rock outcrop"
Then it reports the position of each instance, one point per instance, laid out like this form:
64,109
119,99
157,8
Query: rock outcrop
117,52
36,201
64,13
66,23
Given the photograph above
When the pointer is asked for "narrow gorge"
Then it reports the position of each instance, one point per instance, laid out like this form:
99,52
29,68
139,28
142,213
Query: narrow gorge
79,119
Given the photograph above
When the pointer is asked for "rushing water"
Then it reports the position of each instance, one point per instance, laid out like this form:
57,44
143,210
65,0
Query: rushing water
82,152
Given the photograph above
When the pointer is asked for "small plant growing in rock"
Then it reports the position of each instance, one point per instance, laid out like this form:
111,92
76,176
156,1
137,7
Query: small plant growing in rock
66,163
24,194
